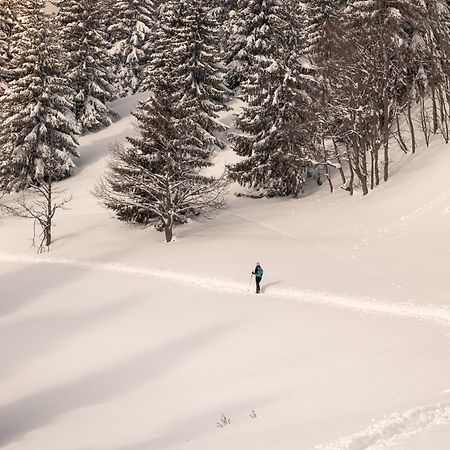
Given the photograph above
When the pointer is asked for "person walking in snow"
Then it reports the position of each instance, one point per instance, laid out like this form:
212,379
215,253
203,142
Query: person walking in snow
258,272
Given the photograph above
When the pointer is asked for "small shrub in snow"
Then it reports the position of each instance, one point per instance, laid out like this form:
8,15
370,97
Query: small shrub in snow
224,420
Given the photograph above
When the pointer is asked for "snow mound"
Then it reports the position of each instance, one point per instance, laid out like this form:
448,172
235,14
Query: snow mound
393,426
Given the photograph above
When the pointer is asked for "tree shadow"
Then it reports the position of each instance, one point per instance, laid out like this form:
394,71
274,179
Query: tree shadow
24,285
40,333
36,410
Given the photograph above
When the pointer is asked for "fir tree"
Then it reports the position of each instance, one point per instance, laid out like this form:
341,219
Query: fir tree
36,138
248,28
277,97
89,67
186,53
130,34
154,179
200,73
8,26
321,25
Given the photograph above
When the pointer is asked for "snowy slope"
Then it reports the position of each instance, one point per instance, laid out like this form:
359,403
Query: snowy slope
115,340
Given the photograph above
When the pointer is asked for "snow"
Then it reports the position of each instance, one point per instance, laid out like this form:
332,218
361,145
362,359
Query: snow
117,341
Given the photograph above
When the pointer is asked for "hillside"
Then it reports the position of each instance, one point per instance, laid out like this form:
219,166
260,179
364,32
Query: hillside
117,341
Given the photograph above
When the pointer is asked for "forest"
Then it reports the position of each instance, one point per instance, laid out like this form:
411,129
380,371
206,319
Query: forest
328,86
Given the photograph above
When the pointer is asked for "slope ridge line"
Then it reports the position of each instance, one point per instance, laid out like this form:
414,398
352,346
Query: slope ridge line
435,314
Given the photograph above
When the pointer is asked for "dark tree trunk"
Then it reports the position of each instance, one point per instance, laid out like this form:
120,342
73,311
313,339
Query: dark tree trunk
168,229
48,224
411,129
400,136
352,172
339,160
434,108
386,137
372,169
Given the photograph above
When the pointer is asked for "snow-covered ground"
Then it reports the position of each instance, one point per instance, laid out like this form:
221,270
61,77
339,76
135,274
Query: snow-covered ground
117,341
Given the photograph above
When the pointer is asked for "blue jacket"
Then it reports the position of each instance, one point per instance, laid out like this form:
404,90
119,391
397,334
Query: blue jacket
258,271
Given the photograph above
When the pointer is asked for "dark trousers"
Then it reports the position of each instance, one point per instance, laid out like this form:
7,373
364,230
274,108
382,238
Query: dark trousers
258,287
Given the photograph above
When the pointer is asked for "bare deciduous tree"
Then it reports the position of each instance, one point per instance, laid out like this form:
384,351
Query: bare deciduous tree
39,203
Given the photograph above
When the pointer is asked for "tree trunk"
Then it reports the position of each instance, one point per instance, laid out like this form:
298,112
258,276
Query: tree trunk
424,121
434,108
386,136
363,173
360,164
339,160
444,116
48,221
168,229
327,171
411,128
352,173
400,137
372,169
377,170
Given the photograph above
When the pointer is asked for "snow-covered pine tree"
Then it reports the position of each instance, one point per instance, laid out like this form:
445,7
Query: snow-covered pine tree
89,67
224,11
277,97
131,32
8,25
36,138
248,27
154,179
321,24
186,53
200,73
108,18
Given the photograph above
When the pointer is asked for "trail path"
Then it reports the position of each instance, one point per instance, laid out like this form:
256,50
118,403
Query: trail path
436,314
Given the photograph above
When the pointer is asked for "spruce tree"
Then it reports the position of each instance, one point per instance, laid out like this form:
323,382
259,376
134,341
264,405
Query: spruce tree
277,97
199,74
321,25
89,67
36,138
186,53
131,43
154,179
248,27
8,26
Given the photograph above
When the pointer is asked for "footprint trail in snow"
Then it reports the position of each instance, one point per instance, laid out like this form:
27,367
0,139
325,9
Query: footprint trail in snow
436,314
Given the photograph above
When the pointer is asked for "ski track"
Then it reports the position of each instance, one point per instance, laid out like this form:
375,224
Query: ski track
435,314
394,426
407,218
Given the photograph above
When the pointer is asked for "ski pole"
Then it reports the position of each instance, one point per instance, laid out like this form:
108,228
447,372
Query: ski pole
249,283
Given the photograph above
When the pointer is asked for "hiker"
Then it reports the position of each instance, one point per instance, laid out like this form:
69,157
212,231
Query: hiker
258,272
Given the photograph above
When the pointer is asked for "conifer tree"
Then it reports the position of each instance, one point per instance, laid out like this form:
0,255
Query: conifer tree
248,27
131,37
8,25
89,67
36,138
186,53
277,95
154,179
321,24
